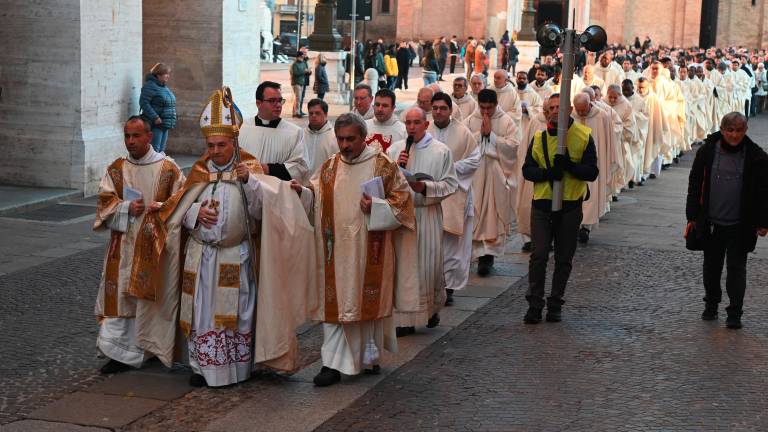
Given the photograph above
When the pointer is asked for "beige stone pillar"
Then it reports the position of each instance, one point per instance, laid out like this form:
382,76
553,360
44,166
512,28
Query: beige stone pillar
70,76
208,44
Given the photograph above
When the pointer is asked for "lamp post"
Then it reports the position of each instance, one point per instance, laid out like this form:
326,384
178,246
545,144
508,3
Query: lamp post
550,36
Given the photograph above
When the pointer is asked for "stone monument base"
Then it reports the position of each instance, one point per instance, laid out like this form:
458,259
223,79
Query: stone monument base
529,51
338,88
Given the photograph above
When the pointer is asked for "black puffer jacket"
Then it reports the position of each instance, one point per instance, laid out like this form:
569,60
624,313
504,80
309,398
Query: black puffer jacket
754,189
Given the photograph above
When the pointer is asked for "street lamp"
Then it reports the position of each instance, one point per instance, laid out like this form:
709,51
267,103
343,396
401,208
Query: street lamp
592,39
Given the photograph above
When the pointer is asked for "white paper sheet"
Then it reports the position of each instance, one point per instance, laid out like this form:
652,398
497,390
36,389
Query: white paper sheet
374,187
131,194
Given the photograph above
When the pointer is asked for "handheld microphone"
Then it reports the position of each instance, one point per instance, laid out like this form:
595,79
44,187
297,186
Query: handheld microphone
408,144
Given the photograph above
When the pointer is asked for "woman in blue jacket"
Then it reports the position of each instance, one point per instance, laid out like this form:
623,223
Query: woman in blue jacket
158,104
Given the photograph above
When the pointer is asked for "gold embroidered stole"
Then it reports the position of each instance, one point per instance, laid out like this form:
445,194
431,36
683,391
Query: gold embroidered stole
145,268
112,267
227,277
377,242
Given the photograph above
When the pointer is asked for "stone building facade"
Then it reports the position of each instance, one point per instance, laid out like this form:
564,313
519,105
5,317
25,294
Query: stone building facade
72,71
669,22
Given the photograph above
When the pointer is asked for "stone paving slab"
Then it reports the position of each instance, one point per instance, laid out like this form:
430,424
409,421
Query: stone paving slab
162,386
487,291
46,426
97,409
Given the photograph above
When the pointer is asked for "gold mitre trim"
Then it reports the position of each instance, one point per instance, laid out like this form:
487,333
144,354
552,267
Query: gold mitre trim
216,119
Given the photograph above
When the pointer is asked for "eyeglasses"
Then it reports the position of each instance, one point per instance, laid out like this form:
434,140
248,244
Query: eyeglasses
274,101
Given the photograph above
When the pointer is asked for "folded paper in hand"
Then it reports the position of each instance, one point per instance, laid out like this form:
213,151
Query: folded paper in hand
374,187
131,194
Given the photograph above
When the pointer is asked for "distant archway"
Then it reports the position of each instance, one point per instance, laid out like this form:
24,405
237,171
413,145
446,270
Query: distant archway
708,29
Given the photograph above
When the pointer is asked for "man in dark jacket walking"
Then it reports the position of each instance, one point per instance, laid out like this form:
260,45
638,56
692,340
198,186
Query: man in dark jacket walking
403,57
726,209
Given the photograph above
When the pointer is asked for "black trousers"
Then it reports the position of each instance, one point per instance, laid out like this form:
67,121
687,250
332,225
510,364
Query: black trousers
402,79
441,67
453,63
563,227
724,245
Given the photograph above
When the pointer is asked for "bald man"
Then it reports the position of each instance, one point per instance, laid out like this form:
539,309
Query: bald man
599,122
431,174
423,101
509,101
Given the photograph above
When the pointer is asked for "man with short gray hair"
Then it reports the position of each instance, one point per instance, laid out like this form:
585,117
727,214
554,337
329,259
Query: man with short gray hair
362,99
726,209
363,213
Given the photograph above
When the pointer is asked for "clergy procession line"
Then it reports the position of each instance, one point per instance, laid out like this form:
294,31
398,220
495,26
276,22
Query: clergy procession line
369,225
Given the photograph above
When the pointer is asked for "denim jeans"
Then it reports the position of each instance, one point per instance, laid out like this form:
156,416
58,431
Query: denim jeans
429,77
159,138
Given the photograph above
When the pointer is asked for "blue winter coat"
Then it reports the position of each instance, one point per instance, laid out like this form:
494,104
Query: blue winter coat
157,100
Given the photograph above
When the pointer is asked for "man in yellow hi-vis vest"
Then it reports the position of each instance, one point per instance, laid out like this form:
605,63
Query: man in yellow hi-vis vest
542,167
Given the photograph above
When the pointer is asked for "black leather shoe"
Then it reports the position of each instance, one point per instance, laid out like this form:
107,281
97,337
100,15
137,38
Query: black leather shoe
449,297
631,184
583,235
373,370
651,176
733,321
197,380
404,331
533,316
527,247
554,315
434,321
484,265
710,312
326,377
614,198
113,367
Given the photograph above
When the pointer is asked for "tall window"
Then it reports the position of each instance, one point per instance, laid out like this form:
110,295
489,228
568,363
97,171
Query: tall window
385,7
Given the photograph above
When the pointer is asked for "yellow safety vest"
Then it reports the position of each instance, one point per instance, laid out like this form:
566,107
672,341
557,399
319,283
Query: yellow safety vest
577,140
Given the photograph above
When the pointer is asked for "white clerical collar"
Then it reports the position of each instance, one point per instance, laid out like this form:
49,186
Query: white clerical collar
150,157
424,143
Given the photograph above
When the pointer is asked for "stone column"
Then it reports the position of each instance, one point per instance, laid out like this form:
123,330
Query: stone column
208,45
325,37
526,39
71,75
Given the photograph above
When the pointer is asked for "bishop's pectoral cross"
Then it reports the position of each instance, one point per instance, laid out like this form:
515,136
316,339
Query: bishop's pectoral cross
214,205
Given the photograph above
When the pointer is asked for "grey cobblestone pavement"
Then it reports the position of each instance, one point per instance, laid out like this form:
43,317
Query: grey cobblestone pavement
631,354
48,333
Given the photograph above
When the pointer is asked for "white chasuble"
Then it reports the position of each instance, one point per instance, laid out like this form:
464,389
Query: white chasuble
283,144
224,292
384,134
524,196
493,182
319,145
215,280
362,259
463,107
458,209
431,157
509,102
122,315
640,113
602,133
